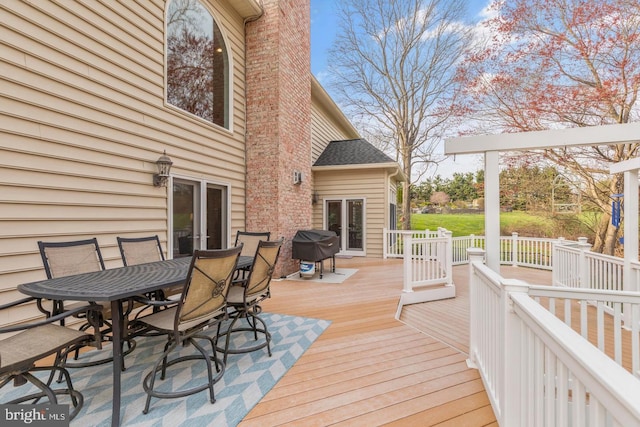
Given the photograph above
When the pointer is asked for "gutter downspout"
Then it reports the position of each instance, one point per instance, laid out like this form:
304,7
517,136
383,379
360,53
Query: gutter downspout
246,172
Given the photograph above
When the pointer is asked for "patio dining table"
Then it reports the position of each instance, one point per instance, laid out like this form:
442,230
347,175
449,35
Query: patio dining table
116,285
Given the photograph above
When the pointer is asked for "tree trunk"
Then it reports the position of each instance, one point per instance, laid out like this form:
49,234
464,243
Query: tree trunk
406,206
606,239
406,188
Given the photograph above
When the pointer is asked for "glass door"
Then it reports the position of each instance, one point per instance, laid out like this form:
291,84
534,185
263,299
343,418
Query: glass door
199,218
334,217
346,218
355,221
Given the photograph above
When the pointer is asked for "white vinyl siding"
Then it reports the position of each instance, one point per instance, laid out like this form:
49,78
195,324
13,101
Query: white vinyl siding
368,184
84,120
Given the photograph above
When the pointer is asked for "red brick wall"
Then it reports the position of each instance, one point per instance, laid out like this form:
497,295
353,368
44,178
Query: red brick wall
279,123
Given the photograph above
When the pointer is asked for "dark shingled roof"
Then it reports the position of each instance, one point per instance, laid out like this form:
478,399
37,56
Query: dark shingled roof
351,152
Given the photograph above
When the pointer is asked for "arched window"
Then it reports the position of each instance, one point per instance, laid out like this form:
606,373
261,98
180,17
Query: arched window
197,64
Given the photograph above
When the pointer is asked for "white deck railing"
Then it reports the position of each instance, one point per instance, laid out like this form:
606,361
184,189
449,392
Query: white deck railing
514,250
572,263
427,267
428,262
575,266
536,369
393,240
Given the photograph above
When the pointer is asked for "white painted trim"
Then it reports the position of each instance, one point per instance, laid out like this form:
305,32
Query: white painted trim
627,165
203,183
553,138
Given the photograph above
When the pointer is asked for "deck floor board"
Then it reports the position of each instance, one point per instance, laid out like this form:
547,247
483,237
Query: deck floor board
368,368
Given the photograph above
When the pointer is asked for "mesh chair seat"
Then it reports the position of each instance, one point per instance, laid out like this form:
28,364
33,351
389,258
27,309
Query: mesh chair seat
37,340
202,304
22,350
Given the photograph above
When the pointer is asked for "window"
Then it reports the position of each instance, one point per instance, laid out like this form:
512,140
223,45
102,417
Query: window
197,64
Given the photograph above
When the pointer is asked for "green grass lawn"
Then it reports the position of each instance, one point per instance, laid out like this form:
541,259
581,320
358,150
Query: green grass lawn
524,223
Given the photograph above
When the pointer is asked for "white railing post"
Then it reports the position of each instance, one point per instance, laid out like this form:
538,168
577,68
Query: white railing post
449,257
555,261
514,249
475,255
511,355
407,242
385,243
583,267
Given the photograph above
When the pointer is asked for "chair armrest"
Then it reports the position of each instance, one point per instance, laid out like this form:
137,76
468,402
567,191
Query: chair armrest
16,302
56,318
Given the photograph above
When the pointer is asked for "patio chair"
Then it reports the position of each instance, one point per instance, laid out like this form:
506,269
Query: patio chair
76,257
203,304
249,240
31,342
141,250
245,297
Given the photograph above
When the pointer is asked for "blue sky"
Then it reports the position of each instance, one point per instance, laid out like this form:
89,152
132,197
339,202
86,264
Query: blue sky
323,29
323,32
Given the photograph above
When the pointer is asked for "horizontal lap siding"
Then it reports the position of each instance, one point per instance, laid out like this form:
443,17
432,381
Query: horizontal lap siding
369,184
84,120
323,130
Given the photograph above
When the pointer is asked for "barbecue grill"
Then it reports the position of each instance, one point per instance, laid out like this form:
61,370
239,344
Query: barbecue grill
316,246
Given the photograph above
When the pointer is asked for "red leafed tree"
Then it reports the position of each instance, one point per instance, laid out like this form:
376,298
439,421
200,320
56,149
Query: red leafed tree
563,63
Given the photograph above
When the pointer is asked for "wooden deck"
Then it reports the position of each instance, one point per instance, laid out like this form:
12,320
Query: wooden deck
369,369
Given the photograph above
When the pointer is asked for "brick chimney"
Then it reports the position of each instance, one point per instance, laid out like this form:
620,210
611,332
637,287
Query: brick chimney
278,139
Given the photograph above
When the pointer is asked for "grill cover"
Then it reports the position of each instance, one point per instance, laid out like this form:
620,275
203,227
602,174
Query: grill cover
314,245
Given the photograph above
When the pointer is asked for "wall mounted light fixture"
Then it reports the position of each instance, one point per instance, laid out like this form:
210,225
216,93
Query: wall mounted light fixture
315,197
164,167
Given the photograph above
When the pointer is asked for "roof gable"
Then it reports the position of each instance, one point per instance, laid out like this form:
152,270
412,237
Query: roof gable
351,152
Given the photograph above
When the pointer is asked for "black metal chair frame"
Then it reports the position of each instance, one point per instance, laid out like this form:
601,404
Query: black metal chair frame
94,318
191,334
250,309
20,371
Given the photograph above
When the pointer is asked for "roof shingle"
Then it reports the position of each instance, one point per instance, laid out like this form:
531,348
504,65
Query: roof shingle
351,152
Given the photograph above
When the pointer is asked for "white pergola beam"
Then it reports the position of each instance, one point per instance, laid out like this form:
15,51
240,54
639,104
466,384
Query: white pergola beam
555,138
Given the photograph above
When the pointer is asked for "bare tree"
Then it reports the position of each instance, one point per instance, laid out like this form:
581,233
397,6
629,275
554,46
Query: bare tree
394,65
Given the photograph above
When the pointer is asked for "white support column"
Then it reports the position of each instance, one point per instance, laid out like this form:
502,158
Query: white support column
492,209
630,227
630,218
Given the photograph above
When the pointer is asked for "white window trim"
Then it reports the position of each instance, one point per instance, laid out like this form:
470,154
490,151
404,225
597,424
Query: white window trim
343,251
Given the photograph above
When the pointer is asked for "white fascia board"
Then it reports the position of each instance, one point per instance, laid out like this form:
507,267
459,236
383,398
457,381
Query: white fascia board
391,166
553,138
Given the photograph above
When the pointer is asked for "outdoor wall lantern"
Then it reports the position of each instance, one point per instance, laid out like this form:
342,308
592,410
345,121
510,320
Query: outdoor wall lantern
164,166
315,197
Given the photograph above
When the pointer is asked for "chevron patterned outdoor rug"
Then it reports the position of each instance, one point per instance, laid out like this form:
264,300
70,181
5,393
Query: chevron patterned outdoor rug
248,377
